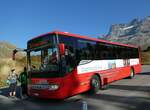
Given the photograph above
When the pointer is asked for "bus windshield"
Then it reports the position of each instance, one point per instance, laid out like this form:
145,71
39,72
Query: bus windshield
44,59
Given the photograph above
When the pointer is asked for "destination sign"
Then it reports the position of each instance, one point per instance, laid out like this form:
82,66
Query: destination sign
40,42
37,44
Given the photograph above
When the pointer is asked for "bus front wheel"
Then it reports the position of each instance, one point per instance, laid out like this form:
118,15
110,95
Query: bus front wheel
94,84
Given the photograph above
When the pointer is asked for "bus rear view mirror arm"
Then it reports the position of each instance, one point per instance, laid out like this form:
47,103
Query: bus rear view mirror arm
17,50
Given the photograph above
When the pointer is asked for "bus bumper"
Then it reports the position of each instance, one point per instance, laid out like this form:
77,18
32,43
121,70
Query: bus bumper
46,94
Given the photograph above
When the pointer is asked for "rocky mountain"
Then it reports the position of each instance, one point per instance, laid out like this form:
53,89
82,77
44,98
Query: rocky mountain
136,32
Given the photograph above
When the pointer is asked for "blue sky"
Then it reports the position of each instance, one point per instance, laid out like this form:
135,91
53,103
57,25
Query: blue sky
20,20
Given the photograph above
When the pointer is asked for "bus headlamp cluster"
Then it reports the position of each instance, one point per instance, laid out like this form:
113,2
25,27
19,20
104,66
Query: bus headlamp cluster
53,87
45,86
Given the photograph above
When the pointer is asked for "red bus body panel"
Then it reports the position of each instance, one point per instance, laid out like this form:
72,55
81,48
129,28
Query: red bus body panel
73,83
69,85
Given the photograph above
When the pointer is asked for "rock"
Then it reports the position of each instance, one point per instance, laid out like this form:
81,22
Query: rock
136,32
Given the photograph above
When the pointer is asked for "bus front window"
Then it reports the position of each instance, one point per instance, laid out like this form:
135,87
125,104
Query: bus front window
35,59
44,59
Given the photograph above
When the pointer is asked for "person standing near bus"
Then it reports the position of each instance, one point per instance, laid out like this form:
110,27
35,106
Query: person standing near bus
12,78
23,81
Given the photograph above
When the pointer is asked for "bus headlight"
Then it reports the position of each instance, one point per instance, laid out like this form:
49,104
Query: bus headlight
53,87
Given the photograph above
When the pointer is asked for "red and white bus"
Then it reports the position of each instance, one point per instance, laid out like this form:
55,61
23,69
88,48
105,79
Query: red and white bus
62,64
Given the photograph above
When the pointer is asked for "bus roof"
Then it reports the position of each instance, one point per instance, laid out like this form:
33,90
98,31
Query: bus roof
85,37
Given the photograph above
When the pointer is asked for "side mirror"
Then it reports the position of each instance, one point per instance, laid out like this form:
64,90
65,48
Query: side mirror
14,54
61,48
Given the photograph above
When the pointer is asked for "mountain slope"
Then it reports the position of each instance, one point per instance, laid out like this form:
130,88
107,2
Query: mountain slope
136,32
6,62
6,49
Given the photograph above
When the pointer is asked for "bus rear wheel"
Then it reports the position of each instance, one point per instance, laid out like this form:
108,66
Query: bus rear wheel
131,73
94,84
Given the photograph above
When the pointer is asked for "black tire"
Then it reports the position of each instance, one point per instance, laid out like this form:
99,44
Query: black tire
131,73
94,84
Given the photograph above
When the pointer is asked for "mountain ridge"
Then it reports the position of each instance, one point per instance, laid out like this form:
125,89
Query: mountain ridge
6,49
136,32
